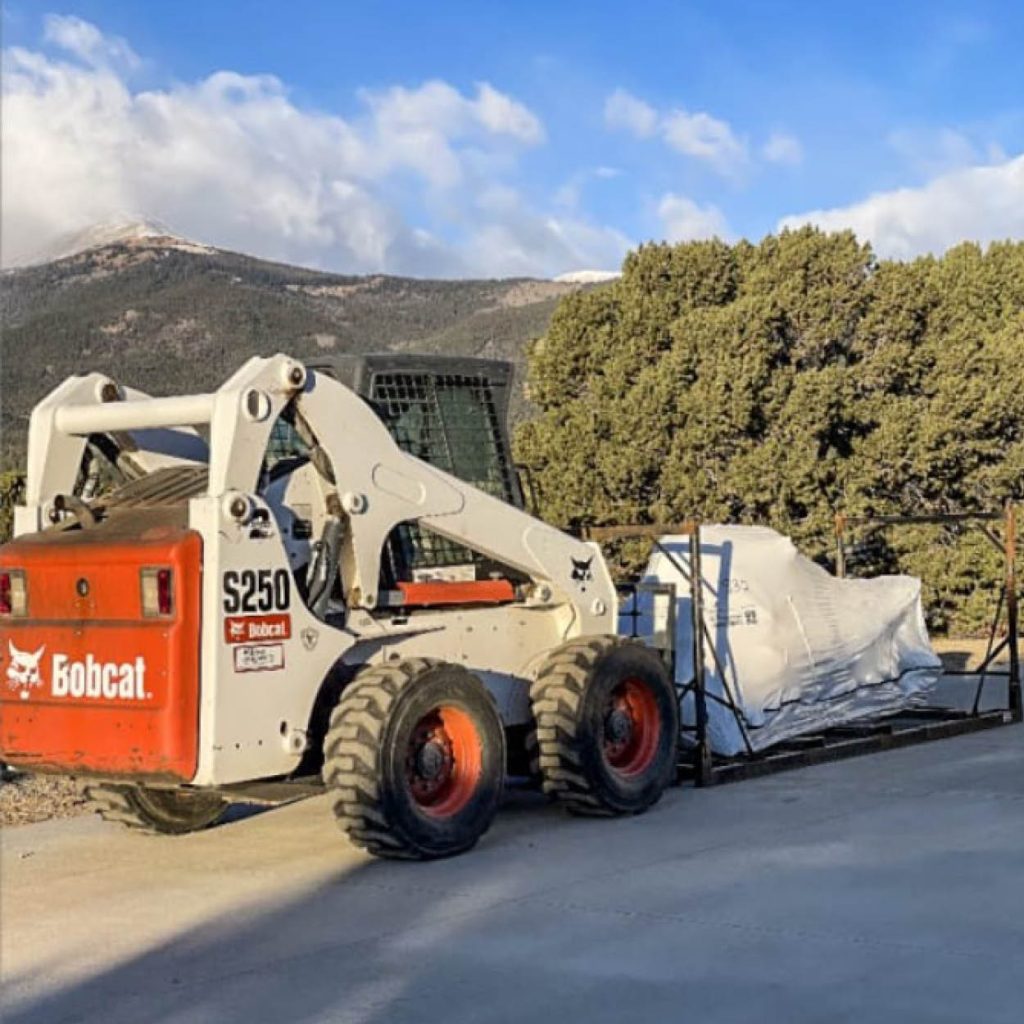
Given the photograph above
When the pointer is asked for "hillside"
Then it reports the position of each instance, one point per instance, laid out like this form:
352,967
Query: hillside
168,315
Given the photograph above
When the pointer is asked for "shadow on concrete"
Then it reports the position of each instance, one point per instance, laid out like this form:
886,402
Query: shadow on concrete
955,661
319,957
258,966
240,811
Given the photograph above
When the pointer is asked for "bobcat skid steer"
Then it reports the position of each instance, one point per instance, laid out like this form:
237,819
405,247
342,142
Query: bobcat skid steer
295,580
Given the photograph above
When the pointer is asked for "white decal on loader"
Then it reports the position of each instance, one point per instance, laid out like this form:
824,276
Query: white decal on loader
91,678
23,670
109,680
259,658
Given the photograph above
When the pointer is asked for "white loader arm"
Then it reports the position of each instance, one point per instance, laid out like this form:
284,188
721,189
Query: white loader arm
376,485
55,448
158,431
379,486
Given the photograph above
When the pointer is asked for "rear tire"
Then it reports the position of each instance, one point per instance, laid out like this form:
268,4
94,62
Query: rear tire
607,719
415,756
161,811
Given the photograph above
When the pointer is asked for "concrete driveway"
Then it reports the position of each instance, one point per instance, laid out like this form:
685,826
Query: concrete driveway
890,888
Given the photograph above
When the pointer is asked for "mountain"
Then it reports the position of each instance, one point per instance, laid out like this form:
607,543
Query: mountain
169,315
112,232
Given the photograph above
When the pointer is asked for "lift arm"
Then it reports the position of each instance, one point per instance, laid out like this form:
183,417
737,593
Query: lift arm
372,484
378,486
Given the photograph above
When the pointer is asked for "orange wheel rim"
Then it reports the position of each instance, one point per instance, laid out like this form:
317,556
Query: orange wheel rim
444,761
632,728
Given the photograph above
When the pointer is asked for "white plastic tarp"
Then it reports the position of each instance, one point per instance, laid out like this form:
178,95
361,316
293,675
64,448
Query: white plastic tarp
796,650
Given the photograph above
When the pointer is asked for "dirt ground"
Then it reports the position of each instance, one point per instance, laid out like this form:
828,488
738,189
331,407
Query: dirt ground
963,654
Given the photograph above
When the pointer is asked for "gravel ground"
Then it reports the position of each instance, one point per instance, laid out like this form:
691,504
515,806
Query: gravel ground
25,799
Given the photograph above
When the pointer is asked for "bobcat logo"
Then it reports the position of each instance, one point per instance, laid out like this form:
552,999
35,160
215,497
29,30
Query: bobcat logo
581,570
23,670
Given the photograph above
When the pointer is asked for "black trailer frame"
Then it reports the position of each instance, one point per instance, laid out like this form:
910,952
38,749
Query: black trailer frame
697,761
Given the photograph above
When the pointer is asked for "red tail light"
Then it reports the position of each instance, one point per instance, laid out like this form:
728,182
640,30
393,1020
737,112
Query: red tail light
13,593
157,591
163,591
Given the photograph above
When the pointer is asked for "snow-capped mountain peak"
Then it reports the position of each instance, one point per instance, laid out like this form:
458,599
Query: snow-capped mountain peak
587,276
117,230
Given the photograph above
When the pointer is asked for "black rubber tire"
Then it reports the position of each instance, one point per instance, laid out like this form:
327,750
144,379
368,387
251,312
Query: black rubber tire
569,697
365,753
160,811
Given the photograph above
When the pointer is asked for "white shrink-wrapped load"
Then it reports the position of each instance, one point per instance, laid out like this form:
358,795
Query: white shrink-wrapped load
799,650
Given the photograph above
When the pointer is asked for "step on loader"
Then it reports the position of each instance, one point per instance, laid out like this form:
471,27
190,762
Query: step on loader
315,573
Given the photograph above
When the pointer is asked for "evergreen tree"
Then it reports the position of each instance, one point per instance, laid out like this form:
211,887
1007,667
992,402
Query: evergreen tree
783,382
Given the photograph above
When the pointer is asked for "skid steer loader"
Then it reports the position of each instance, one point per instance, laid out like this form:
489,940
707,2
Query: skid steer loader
314,573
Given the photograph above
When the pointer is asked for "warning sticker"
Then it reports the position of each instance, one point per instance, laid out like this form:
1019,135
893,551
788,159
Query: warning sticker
259,658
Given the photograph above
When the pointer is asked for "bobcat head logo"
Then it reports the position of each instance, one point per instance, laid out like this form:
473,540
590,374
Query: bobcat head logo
581,570
23,670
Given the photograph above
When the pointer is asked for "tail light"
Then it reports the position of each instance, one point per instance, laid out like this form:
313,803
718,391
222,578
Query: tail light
157,592
13,593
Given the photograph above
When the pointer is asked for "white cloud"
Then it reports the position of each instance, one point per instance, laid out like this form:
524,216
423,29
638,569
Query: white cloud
697,135
437,107
983,203
424,129
930,152
512,243
570,192
623,111
504,116
232,160
685,221
705,138
84,40
783,149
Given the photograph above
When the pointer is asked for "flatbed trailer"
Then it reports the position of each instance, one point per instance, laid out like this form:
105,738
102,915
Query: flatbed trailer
868,736
965,711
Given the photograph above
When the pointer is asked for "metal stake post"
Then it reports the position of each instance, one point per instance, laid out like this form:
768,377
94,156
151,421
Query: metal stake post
1011,610
840,545
705,774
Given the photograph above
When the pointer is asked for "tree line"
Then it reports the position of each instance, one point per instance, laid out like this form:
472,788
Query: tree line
783,382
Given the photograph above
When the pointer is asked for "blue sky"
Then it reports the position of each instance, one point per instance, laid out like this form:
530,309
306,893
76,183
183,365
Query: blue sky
507,138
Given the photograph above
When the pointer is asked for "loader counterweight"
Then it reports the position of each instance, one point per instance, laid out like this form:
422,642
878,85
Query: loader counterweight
95,682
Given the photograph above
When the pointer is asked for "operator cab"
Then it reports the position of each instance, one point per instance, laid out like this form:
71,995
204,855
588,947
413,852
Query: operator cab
449,411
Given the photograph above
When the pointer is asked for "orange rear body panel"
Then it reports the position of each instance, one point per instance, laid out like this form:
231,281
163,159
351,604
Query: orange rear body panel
88,684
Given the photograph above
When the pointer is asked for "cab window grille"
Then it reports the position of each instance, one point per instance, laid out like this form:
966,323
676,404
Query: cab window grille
450,421
284,444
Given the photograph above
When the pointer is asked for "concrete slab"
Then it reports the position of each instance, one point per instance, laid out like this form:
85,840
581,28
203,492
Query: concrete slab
888,888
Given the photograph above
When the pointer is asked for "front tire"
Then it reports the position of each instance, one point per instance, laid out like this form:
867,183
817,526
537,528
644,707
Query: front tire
161,811
607,719
415,756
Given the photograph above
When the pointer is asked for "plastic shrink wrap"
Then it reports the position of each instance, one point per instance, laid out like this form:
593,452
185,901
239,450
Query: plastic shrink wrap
796,650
